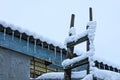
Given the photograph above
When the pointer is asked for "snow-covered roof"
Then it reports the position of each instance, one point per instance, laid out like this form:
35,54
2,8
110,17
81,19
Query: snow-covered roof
102,75
29,33
104,61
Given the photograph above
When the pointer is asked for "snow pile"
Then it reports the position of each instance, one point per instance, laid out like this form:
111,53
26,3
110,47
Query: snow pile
103,74
60,75
21,30
88,77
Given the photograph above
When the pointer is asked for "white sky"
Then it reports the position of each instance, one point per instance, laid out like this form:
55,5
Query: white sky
51,19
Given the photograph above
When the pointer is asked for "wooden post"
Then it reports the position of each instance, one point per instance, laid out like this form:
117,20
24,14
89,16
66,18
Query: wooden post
34,67
90,14
70,50
88,42
72,20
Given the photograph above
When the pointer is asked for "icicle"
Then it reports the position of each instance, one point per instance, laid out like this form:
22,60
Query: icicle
61,55
42,44
4,33
55,52
48,47
104,67
12,35
98,65
27,43
108,67
119,71
35,45
113,69
20,36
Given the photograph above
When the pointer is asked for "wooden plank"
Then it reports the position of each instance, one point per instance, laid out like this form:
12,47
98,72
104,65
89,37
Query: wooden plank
67,74
90,14
71,44
72,20
77,64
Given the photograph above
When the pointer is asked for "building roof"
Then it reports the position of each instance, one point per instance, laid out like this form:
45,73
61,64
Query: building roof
32,36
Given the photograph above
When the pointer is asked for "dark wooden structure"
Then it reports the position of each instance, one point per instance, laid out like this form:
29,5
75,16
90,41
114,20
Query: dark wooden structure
70,49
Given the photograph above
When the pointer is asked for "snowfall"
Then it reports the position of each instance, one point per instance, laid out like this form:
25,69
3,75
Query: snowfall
90,32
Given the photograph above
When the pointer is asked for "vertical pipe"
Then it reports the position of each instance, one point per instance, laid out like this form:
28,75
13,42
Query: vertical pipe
28,43
12,35
4,33
35,45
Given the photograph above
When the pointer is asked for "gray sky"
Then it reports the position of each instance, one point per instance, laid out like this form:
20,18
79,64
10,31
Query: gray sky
51,19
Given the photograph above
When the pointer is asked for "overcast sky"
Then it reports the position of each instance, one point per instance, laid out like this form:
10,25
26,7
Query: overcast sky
51,19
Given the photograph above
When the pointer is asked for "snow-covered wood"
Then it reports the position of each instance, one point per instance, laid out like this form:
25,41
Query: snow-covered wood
60,75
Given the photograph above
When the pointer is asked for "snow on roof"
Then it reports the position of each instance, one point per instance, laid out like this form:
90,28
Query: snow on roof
29,33
104,61
106,75
102,75
60,75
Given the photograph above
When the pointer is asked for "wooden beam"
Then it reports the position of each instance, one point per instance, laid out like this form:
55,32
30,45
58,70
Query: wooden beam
70,44
90,14
72,20
88,42
77,64
70,51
